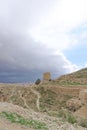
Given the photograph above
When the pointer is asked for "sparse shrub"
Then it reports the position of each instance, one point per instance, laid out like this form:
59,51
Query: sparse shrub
67,116
62,114
83,123
71,119
49,101
37,81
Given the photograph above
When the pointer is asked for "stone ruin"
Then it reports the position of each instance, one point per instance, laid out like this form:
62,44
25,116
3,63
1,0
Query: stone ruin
83,96
47,76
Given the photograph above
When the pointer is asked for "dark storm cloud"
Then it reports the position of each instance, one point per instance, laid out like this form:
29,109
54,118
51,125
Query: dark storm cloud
19,53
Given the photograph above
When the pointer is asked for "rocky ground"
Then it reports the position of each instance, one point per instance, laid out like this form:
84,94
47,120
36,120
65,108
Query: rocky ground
52,123
41,104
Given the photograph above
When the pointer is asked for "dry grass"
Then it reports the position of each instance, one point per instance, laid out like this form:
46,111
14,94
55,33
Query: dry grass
18,94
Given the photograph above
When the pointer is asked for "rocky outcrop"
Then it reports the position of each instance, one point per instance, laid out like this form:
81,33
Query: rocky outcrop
73,104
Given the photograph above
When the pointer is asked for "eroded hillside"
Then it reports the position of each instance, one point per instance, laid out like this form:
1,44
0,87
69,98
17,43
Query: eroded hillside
57,99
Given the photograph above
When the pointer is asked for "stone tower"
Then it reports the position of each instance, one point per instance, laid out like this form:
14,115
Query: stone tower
47,76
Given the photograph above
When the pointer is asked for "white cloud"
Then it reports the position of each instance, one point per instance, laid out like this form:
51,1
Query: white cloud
67,64
83,34
53,29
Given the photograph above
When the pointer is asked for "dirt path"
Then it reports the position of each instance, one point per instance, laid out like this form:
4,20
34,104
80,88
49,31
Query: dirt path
24,100
38,97
12,93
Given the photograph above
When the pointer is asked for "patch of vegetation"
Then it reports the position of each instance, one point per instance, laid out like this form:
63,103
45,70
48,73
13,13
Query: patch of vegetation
83,123
52,100
17,100
69,83
71,119
15,118
47,100
67,116
64,115
41,89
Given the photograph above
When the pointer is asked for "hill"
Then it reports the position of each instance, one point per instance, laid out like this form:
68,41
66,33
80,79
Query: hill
55,100
76,78
18,118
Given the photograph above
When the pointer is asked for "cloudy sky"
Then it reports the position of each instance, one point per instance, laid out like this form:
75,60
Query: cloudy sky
41,35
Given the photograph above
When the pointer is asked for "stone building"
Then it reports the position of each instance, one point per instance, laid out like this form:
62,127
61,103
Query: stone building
47,76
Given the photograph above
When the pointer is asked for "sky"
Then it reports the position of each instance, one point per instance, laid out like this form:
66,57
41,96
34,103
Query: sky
38,36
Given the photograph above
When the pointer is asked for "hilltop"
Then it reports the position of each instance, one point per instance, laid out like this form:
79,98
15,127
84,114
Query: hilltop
76,78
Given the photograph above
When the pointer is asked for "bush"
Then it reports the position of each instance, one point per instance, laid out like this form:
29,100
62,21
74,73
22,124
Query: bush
37,81
66,116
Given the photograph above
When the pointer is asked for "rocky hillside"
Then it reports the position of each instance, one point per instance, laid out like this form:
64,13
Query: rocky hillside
13,117
50,105
76,78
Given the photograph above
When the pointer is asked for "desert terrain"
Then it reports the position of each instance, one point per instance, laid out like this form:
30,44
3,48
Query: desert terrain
59,104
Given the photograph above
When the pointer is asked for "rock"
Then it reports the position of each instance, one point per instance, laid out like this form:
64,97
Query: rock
73,104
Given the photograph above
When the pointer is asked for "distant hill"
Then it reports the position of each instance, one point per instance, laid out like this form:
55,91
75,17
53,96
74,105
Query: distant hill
76,78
